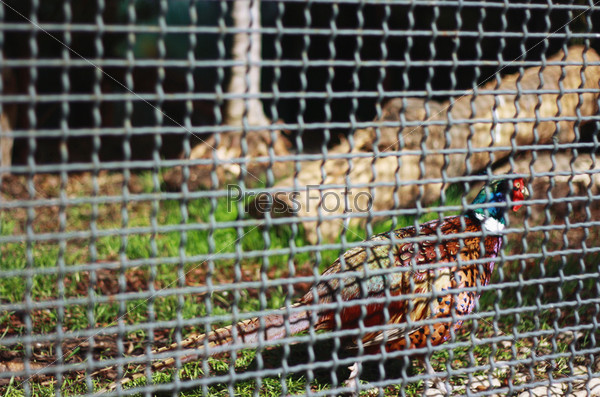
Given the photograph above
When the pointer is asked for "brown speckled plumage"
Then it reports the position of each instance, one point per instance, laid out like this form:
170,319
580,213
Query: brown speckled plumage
423,267
424,274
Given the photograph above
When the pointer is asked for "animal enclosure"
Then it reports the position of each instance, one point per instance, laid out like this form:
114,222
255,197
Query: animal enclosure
171,168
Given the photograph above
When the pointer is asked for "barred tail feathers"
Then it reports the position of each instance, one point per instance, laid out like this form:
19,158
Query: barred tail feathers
248,331
273,328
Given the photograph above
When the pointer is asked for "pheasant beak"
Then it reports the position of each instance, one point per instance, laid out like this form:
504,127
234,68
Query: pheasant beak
520,194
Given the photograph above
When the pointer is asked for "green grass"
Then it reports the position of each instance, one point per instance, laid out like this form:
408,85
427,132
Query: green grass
223,240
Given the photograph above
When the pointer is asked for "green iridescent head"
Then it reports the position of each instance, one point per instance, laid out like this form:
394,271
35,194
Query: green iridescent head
497,192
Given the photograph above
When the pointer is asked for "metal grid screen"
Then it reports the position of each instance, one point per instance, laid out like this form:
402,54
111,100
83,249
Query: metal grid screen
170,168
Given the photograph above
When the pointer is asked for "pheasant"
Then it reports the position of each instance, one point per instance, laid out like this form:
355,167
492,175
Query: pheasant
438,269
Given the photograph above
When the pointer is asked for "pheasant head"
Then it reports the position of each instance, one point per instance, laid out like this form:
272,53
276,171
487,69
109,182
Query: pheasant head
492,218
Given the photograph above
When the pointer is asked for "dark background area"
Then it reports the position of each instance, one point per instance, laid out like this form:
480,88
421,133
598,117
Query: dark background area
418,44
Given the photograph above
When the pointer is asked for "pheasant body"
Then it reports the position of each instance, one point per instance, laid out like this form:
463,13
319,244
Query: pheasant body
436,266
396,283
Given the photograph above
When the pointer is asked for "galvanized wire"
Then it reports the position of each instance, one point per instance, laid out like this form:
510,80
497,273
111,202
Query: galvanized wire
151,98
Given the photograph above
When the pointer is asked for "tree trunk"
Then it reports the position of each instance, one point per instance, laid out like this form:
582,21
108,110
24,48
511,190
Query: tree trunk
245,84
245,78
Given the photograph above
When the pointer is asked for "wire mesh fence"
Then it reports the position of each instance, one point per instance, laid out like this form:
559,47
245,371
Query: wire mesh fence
335,179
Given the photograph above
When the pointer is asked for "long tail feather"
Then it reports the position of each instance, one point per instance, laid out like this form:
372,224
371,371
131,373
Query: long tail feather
246,332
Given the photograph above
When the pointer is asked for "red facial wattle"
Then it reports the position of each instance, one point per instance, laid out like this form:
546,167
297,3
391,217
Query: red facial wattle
519,193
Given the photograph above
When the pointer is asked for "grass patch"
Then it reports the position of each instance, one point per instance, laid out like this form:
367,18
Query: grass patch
159,251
